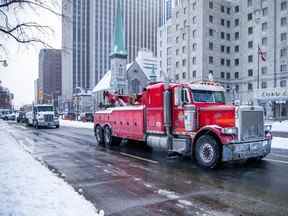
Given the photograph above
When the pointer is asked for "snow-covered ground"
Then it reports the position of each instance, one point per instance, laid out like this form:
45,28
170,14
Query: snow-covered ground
29,189
76,124
279,126
280,143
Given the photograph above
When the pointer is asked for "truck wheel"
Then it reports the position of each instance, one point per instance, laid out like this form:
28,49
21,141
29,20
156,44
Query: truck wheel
207,152
107,136
99,135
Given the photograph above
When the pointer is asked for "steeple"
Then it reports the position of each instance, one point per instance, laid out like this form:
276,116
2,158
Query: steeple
119,41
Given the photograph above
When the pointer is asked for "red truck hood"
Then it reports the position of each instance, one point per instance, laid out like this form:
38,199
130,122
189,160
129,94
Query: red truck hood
221,115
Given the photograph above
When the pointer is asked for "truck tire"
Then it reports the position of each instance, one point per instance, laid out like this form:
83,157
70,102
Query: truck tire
99,135
207,152
110,140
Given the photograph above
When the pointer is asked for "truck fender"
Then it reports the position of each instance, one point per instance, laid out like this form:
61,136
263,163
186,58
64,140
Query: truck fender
215,131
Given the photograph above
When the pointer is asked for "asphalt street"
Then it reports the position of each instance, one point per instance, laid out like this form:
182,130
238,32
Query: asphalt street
132,180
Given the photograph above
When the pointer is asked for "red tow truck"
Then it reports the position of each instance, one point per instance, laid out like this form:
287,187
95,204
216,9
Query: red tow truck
189,119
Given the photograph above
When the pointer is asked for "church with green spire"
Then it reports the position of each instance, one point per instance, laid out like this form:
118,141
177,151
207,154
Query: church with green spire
126,78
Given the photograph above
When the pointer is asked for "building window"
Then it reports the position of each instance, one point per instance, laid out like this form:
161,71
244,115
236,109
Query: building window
177,39
283,83
194,74
194,46
250,58
228,10
210,45
222,9
211,4
183,49
211,19
264,41
236,75
236,62
237,9
184,62
236,22
228,36
250,30
222,75
264,70
211,59
185,10
237,35
250,44
264,26
177,76
250,72
222,35
228,50
228,62
211,32
185,23
250,87
283,52
283,5
228,76
250,16
194,20
283,21
222,48
184,36
194,33
177,51
222,22
236,49
228,24
249,3
194,60
283,36
222,61
283,68
177,64
136,86
184,75
265,11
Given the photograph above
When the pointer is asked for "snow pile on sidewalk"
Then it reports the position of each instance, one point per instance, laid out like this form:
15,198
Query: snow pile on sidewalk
76,124
30,189
279,126
280,143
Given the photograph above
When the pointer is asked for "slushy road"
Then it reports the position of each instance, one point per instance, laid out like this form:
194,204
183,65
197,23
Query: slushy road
132,180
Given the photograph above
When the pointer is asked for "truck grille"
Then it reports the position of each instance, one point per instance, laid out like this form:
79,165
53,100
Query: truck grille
252,125
48,118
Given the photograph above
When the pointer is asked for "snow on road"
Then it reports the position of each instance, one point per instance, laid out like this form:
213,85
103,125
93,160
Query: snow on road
29,189
279,126
280,143
76,124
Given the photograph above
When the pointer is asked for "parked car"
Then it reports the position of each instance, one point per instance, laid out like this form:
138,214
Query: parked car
10,116
86,117
69,116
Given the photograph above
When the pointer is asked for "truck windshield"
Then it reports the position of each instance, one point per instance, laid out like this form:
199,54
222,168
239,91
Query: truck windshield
208,96
45,109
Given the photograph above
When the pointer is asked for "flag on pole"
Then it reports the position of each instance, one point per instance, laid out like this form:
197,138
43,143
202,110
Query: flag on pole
261,54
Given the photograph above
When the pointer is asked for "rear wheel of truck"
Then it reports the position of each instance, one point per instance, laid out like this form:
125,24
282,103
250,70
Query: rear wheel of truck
110,140
207,152
99,135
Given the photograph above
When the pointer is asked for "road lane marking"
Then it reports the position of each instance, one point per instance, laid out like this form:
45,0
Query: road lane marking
139,158
277,161
279,155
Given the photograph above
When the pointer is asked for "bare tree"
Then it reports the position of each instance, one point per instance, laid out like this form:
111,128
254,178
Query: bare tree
14,25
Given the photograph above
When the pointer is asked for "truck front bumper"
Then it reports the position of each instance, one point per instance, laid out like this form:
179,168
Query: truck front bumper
48,124
246,150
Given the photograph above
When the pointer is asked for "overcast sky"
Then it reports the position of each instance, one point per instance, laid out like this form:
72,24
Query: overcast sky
22,67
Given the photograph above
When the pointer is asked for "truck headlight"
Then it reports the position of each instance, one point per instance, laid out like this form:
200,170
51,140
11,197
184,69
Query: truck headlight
268,128
230,131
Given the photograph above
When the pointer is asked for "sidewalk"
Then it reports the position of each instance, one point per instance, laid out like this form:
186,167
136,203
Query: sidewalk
30,189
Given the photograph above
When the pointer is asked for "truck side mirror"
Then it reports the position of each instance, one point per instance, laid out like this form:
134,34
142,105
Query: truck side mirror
178,96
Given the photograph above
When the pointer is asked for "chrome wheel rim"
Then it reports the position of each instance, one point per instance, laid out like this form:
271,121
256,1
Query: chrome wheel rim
207,152
107,135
